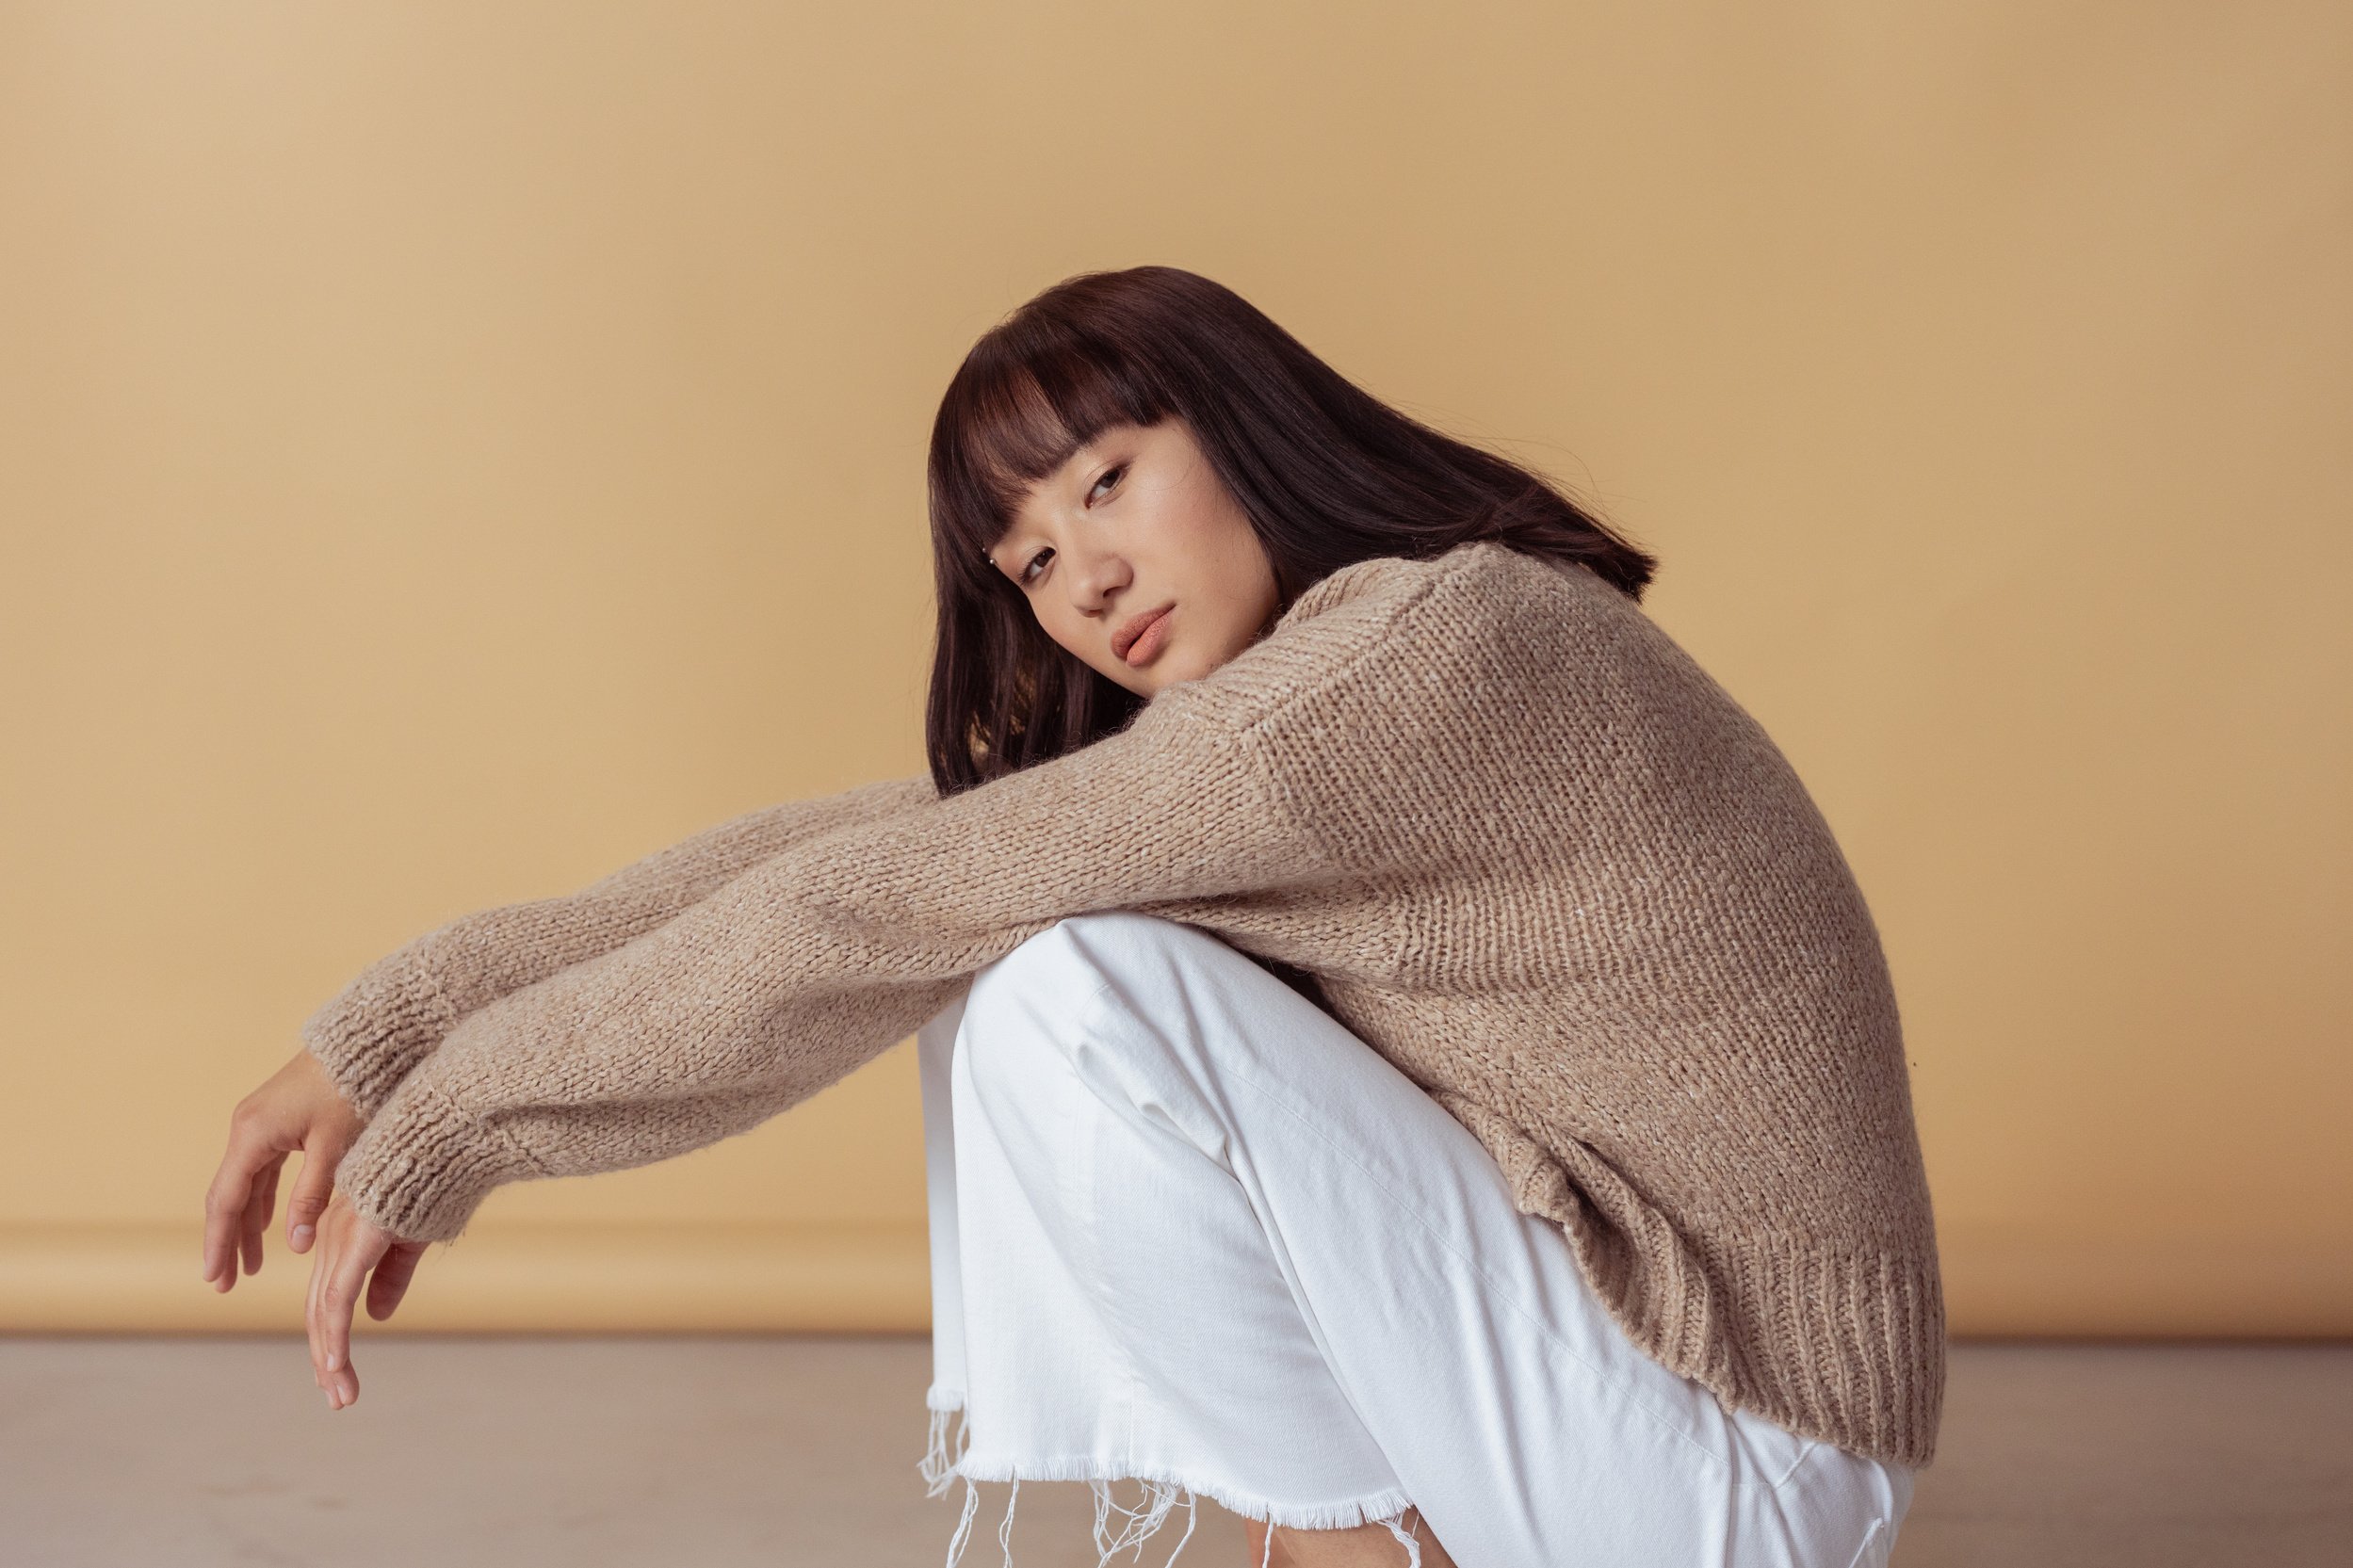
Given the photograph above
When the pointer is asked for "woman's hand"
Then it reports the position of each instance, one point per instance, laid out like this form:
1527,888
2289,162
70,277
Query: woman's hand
351,1250
300,1109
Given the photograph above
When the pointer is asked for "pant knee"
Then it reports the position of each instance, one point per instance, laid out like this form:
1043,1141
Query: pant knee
1029,1012
1063,969
1012,1034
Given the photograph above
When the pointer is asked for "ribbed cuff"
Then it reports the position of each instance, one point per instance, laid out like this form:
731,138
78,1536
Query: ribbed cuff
378,1028
423,1166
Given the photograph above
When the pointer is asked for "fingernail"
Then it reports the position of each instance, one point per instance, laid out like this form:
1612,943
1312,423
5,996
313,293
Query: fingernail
335,1362
302,1235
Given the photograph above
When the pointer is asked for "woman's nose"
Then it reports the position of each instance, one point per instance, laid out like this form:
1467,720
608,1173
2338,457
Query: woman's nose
1096,581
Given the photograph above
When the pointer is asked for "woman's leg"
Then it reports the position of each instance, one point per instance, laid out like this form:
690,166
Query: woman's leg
1206,1235
934,1046
1070,1261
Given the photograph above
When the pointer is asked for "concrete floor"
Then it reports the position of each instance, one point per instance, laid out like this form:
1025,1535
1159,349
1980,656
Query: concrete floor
724,1452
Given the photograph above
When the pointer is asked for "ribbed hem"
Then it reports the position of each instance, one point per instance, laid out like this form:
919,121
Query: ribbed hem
1845,1345
1858,1356
1838,1340
423,1166
382,1024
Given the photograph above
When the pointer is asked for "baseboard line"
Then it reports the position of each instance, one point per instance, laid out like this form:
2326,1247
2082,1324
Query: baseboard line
2000,1281
817,1278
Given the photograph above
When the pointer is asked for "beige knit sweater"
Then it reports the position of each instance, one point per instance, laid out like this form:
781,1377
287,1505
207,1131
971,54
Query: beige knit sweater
1526,848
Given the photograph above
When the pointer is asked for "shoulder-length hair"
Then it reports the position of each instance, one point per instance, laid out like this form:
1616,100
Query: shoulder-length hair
1327,474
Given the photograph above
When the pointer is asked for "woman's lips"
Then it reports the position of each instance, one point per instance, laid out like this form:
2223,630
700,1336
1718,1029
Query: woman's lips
1149,641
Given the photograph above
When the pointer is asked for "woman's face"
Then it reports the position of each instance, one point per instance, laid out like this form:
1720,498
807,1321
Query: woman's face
1138,531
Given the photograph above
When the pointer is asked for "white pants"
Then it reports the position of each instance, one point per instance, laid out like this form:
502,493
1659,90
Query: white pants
1189,1230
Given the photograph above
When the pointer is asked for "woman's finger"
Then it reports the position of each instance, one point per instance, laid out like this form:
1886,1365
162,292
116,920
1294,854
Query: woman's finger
224,1206
312,1189
256,1219
391,1280
225,1199
313,1310
357,1248
337,1294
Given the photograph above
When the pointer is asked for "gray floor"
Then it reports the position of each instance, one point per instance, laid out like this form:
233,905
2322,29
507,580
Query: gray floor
719,1451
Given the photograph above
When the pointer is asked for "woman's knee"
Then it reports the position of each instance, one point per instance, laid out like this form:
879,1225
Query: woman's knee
1074,961
1027,1009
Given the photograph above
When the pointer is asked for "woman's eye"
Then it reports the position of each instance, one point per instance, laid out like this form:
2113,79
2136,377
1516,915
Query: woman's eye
1033,562
1110,476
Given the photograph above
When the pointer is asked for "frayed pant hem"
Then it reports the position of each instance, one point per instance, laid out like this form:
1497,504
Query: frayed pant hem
1372,1510
947,1460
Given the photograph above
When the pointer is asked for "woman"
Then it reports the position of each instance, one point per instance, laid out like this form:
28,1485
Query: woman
1403,1056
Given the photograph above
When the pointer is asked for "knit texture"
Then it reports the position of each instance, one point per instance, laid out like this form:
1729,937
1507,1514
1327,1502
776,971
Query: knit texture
1519,842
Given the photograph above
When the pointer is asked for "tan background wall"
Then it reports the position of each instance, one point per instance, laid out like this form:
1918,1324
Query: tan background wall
449,450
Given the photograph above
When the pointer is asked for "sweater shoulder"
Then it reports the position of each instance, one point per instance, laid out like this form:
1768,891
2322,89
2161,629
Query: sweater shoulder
1375,617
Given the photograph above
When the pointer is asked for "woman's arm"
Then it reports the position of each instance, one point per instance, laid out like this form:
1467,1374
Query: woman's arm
825,955
394,1012
818,960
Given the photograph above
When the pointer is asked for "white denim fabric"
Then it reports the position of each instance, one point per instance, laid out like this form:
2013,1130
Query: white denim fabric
1190,1232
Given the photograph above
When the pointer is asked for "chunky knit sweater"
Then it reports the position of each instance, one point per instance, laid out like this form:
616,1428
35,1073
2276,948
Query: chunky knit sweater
1512,835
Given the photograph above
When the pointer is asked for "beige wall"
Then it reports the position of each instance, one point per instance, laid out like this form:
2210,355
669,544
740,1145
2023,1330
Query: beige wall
448,450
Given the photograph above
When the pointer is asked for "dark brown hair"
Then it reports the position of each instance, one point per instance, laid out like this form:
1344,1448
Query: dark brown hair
1327,474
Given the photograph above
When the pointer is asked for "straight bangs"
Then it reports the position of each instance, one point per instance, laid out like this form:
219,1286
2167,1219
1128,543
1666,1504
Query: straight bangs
1015,413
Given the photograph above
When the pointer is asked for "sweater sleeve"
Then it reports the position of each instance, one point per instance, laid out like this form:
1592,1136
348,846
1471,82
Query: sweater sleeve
394,1012
820,958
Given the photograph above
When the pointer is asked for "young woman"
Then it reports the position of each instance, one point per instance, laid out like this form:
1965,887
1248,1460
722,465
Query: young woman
1402,1055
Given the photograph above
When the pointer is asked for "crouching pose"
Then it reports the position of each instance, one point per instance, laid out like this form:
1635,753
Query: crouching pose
1403,1056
